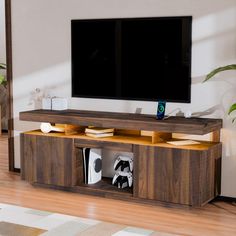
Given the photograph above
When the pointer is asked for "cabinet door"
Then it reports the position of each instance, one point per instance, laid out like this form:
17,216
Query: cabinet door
161,174
175,175
48,160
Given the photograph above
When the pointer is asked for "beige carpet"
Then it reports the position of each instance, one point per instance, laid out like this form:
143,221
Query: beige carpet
20,221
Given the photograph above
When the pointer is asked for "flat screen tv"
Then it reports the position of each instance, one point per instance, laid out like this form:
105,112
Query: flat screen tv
147,59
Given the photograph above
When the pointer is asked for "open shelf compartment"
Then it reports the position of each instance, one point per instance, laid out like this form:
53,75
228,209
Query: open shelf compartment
104,185
127,139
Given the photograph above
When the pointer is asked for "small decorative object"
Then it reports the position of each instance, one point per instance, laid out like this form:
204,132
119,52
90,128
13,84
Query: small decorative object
59,103
36,98
47,103
47,127
41,98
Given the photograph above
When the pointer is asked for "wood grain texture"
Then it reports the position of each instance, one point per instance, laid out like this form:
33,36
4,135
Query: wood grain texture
0,120
163,172
214,219
9,84
28,157
78,172
172,175
103,188
124,120
48,160
158,137
121,142
215,136
103,143
4,162
178,176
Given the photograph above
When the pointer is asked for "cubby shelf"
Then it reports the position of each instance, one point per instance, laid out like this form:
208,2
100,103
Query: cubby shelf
186,175
105,186
128,139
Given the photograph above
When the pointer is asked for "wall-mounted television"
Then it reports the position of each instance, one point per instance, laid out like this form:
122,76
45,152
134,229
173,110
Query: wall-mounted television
147,59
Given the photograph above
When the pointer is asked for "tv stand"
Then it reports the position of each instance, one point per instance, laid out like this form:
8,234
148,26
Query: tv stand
163,173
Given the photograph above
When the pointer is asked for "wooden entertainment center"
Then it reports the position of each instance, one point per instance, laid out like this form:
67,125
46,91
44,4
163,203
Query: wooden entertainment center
163,173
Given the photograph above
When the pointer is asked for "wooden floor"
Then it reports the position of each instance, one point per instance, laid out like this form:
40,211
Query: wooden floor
217,218
3,152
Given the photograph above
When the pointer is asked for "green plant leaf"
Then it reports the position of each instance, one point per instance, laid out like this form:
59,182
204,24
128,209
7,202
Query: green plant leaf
3,80
232,108
3,66
220,69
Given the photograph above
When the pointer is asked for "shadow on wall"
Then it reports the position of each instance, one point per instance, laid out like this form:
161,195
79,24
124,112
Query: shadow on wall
213,41
45,41
214,24
221,90
50,80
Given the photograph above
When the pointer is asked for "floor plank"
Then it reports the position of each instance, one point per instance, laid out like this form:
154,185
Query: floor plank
3,152
217,218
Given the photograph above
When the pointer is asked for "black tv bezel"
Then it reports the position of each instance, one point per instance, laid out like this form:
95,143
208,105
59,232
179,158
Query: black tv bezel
188,100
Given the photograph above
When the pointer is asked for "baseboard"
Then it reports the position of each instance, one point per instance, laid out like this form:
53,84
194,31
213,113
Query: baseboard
225,199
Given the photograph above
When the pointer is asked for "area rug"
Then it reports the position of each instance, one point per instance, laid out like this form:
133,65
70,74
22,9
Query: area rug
21,221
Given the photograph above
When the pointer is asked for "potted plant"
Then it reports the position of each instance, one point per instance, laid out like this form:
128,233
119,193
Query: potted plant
216,71
3,80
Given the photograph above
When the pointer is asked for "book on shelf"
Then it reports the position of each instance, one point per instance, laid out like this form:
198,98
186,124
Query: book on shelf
99,135
183,142
98,130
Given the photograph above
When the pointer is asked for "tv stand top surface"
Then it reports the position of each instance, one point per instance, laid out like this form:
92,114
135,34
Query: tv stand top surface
198,126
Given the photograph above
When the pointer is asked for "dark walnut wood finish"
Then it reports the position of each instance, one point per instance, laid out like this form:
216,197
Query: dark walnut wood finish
176,175
48,160
163,173
117,120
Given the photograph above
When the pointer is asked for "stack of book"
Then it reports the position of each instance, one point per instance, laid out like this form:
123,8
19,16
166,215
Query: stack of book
98,132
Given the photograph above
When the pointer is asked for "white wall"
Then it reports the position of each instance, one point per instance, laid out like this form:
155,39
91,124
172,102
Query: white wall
2,32
41,58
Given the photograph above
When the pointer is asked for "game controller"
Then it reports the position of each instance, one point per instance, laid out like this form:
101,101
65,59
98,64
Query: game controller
123,162
123,179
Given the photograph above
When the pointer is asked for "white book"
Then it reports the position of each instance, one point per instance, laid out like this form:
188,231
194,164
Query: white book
183,142
98,130
99,135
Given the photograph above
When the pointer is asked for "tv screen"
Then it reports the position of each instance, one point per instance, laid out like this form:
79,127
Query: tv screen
145,59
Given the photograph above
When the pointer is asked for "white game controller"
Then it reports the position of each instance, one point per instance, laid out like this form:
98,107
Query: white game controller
120,162
123,175
47,127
